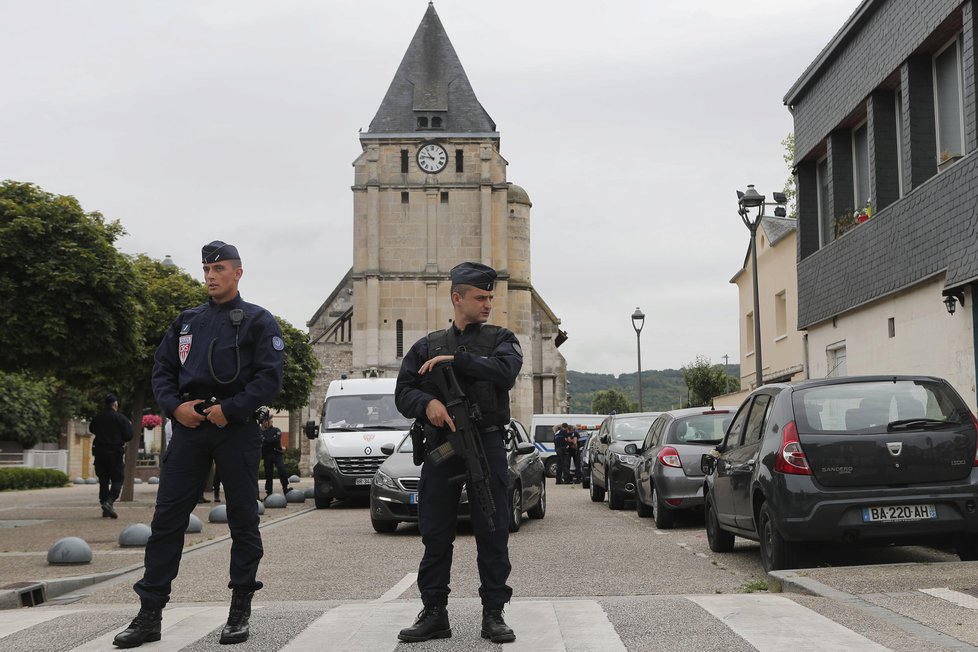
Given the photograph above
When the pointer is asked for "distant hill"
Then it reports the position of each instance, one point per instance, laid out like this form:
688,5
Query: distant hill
661,390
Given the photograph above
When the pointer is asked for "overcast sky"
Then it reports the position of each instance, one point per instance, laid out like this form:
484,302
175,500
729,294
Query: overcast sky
629,123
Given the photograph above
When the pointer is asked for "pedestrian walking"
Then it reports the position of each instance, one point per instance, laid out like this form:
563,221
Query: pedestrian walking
486,360
217,364
112,431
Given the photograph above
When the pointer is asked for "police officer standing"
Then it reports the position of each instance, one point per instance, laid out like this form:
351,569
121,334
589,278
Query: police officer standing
560,449
217,364
486,360
271,453
112,431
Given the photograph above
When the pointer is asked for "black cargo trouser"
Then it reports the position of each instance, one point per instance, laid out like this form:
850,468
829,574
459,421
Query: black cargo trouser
110,467
563,465
274,461
438,501
235,449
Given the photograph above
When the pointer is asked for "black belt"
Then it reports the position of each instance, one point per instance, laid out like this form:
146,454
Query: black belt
491,429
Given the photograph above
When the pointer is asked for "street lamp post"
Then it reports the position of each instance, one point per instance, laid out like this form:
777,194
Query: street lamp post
638,321
746,201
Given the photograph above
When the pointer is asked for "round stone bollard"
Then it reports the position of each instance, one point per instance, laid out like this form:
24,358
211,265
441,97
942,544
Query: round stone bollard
276,500
295,496
135,535
194,524
218,514
79,480
153,480
137,480
310,492
69,550
295,479
91,480
261,508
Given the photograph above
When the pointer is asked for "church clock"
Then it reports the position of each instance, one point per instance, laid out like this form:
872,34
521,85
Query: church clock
432,158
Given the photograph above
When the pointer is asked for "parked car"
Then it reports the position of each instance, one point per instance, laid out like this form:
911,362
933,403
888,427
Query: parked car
879,459
394,491
668,478
612,469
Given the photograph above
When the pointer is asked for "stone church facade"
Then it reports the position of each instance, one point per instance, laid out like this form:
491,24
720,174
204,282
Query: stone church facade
430,191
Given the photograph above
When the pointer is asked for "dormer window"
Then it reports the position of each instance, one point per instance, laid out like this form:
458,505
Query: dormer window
422,122
436,123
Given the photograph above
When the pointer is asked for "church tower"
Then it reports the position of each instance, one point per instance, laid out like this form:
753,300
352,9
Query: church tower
430,191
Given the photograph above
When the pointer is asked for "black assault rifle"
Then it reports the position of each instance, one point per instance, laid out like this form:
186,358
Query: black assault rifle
465,442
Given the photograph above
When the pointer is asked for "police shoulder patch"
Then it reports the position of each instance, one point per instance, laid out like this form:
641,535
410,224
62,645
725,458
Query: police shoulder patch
184,329
277,343
516,347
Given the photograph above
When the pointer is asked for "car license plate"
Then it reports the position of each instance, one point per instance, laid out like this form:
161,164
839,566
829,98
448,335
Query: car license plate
897,513
363,481
413,499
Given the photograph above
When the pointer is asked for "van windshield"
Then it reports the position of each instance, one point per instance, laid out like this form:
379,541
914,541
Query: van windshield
363,412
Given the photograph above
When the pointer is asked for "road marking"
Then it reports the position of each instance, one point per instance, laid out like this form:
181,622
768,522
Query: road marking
356,627
181,626
18,619
775,623
585,627
956,597
395,591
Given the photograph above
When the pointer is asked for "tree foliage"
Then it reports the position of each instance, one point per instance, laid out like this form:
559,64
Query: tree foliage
790,191
612,400
300,369
706,380
67,293
25,410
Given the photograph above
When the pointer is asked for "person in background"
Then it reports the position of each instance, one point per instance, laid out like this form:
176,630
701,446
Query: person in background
271,453
112,431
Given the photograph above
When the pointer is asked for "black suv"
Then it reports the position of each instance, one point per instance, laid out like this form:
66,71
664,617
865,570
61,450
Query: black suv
878,459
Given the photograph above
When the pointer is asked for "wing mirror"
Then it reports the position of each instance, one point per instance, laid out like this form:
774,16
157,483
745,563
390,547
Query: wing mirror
708,462
603,439
631,449
387,449
525,448
312,429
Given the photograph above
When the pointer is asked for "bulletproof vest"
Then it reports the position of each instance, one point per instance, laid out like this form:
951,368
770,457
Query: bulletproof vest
493,401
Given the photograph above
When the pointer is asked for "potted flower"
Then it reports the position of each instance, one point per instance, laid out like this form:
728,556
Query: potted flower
866,213
150,421
845,222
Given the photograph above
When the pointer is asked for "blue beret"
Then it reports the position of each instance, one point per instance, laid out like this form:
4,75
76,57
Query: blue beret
217,250
476,274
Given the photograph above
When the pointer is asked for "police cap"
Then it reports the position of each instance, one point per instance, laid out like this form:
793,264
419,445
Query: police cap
218,250
111,400
475,274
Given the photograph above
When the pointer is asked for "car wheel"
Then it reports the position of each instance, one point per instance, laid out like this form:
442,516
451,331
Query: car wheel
664,517
516,509
551,467
597,493
967,546
615,500
586,482
384,527
718,539
540,509
776,552
643,510
323,503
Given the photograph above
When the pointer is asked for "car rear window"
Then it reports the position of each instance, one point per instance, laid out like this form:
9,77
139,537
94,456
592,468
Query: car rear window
862,406
700,429
632,428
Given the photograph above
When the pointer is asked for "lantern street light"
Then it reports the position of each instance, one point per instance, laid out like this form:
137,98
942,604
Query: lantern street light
638,321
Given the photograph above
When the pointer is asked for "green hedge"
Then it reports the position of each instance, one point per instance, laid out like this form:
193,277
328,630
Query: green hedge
291,456
21,478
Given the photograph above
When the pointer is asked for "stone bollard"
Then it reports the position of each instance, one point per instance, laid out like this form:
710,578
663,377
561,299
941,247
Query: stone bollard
275,501
295,479
295,496
135,535
79,480
261,508
69,550
218,514
91,480
137,480
194,524
310,492
153,480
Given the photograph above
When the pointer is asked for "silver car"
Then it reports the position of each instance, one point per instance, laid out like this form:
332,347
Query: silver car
668,476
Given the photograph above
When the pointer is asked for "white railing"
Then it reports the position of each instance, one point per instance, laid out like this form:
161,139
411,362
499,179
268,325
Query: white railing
46,459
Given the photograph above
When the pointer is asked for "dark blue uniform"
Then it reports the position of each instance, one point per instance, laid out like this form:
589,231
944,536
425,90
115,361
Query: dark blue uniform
271,455
438,498
183,372
112,431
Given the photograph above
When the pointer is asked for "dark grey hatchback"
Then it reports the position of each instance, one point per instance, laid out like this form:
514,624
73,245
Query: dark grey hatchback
858,459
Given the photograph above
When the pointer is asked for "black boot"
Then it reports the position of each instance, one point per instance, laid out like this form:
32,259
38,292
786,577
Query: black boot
431,623
143,628
495,628
217,495
236,630
107,509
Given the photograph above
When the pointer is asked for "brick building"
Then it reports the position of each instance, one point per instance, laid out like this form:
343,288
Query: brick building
885,119
430,191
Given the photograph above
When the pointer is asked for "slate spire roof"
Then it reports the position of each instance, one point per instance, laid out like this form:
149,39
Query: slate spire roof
431,82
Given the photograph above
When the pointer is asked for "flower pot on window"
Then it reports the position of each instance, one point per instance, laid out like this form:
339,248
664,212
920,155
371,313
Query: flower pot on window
862,217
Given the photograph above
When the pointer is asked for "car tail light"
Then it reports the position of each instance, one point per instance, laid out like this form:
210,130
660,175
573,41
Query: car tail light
669,456
791,459
975,421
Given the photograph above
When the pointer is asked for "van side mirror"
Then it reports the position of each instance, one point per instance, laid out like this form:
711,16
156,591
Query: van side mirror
525,448
312,429
708,463
631,449
387,449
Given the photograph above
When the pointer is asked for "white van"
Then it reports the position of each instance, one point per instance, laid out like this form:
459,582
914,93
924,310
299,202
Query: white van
359,416
542,431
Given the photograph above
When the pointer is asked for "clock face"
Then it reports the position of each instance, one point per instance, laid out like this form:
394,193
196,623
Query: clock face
432,158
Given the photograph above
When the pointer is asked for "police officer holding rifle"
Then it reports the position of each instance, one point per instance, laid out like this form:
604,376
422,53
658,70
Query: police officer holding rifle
456,384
